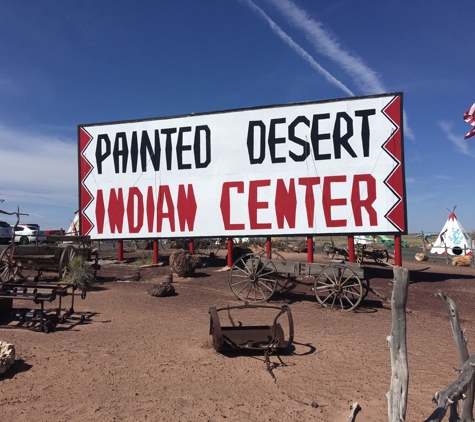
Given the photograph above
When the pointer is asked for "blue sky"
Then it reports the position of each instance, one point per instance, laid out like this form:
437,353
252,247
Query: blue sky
66,63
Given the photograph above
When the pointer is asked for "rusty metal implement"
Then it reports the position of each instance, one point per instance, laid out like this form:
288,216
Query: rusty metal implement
256,337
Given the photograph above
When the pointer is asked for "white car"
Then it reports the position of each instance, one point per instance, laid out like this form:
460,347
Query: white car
29,233
5,232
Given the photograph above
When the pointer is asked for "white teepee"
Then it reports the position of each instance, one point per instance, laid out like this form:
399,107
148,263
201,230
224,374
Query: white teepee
74,227
453,239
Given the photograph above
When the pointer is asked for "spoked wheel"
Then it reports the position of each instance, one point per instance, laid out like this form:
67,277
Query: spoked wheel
252,278
338,286
8,266
208,246
381,257
328,251
284,281
68,254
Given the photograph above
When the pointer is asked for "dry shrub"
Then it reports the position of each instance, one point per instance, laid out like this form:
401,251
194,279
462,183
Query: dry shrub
462,261
184,263
80,274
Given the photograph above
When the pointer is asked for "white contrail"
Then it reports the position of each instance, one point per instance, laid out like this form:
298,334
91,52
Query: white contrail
289,41
457,140
328,45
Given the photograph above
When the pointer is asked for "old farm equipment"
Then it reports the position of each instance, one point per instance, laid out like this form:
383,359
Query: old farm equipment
251,337
255,278
52,256
29,289
332,250
49,257
376,251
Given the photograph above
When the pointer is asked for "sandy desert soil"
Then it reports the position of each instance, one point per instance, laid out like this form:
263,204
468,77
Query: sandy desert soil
143,358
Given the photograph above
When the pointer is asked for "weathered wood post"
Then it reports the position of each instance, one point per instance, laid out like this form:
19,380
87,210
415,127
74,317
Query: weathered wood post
461,343
449,396
397,395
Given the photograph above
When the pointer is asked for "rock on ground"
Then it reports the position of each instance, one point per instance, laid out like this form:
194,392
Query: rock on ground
7,356
161,290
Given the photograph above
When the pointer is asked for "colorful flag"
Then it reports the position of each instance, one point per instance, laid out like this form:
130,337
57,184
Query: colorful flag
469,117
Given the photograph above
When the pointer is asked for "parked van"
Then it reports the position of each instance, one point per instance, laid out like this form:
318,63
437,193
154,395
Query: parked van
5,232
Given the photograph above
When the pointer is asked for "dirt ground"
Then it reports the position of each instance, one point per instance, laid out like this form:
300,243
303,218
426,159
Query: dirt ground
143,358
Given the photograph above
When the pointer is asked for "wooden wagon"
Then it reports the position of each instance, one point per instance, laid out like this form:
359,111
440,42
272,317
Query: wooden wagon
338,284
54,256
376,251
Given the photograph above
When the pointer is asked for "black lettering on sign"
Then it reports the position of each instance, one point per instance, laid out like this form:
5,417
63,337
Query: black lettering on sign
130,149
273,141
121,152
365,133
180,148
342,140
316,137
197,147
304,144
100,154
341,137
258,124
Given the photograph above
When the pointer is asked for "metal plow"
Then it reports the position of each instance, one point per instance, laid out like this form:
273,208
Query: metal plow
251,337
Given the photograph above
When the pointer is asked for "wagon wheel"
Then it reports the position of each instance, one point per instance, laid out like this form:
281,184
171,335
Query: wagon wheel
252,279
343,252
284,280
328,251
381,257
8,266
68,254
208,246
338,286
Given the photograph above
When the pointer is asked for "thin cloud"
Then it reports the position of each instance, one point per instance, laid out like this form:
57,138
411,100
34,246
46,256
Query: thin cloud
37,169
328,45
407,130
458,141
442,177
299,50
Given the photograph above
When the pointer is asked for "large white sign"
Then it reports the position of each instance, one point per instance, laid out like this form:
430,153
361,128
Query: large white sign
309,168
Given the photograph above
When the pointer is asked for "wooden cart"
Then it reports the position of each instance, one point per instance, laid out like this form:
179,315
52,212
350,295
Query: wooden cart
375,251
53,256
339,284
332,250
